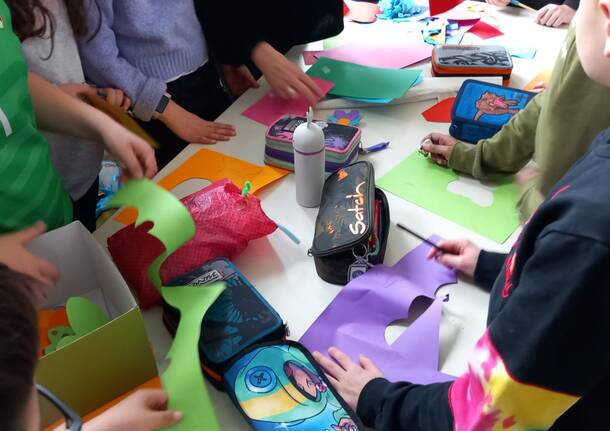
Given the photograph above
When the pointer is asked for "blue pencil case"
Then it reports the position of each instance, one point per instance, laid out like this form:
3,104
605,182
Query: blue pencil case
481,109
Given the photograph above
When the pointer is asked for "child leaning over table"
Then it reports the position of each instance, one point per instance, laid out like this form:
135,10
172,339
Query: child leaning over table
145,410
555,128
544,360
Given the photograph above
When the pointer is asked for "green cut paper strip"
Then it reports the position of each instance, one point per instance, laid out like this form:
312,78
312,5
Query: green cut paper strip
354,80
422,182
174,226
84,316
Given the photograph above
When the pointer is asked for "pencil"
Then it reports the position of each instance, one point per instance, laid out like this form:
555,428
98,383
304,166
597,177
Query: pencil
523,6
418,236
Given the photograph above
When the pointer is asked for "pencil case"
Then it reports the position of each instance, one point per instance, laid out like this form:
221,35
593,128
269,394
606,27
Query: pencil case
238,319
481,109
472,60
279,386
352,225
342,143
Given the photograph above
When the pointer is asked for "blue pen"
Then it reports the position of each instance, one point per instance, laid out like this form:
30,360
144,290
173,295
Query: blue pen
377,147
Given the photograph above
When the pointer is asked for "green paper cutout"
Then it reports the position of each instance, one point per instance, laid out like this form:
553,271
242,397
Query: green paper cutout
67,340
84,316
422,182
59,332
174,226
354,80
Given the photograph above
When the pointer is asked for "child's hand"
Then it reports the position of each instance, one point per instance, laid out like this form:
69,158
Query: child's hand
553,15
145,410
525,175
14,255
239,79
77,90
498,2
193,129
286,78
347,377
114,96
439,147
135,156
463,255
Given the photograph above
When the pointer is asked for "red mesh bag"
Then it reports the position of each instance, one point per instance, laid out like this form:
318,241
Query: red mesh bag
225,223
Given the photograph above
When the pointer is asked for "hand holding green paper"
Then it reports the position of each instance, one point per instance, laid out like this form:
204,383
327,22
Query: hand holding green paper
174,226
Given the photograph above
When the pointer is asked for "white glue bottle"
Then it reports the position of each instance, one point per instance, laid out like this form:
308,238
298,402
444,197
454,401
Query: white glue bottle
309,158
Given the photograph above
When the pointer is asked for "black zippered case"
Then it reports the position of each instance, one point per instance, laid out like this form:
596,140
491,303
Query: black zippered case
352,225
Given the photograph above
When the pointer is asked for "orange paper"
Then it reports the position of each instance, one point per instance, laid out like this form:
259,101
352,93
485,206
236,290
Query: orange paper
212,166
539,82
441,112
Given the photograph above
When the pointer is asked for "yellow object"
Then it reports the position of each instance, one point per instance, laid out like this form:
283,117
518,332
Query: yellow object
539,82
212,166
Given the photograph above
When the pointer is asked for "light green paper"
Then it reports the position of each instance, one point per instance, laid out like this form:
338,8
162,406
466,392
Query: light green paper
332,42
84,316
354,80
424,183
174,226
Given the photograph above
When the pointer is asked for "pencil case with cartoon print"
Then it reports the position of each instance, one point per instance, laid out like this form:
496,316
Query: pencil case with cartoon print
481,109
472,60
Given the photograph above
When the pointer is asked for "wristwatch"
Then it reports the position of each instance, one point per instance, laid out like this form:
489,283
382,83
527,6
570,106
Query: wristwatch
163,103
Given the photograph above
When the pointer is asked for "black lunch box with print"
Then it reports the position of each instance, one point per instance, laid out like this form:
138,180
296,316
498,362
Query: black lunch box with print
352,225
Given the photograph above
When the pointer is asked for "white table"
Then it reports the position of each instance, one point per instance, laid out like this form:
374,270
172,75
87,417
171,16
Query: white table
283,272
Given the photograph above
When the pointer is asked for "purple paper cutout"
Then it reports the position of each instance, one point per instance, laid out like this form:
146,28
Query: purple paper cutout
356,320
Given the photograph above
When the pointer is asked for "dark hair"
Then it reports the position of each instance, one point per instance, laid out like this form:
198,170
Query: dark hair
18,346
27,14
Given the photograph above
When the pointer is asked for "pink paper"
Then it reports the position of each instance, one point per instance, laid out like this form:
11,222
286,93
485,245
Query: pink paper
389,56
310,57
356,320
271,107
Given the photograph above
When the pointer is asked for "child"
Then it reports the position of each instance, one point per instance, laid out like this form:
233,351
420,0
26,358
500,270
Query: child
555,128
48,29
30,189
158,56
551,13
19,410
243,32
544,361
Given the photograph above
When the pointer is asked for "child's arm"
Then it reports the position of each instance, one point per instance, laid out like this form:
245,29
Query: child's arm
58,112
542,353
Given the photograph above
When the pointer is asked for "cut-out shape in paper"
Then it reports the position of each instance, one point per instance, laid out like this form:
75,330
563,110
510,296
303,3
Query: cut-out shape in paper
441,112
484,30
84,316
386,56
472,189
422,182
174,226
271,107
354,80
356,320
212,166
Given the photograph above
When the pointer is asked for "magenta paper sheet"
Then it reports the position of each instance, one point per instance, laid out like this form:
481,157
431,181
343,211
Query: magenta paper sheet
356,320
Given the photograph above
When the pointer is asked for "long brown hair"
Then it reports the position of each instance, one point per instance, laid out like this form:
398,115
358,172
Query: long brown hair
26,24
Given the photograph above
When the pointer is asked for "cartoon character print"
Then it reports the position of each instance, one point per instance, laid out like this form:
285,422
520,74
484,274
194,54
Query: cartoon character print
493,104
344,423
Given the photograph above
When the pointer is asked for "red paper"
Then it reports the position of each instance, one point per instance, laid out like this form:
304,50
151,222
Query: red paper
363,12
440,6
441,112
271,107
345,9
484,30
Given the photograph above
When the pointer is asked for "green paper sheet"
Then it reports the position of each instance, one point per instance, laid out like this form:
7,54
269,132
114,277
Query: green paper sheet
332,42
354,80
420,181
84,316
174,226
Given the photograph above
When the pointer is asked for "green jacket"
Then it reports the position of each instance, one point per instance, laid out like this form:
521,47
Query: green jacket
555,129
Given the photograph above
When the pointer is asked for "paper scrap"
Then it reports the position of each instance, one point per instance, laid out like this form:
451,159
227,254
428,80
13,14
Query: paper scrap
271,107
212,166
362,12
524,52
386,56
438,7
353,80
441,112
485,30
356,320
174,226
422,182
540,81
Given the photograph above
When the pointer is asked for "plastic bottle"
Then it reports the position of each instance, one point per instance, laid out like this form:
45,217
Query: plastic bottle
309,158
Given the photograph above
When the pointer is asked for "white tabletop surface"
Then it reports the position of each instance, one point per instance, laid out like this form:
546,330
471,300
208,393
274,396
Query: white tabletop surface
283,272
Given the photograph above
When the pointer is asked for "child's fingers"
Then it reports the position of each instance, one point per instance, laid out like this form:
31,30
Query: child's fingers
126,103
131,163
329,366
369,365
164,419
28,234
341,358
451,260
305,91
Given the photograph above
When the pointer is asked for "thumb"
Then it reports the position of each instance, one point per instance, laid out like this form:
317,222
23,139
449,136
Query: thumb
164,419
28,234
453,261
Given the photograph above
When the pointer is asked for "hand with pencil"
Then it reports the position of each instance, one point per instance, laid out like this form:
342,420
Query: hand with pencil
461,255
439,147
